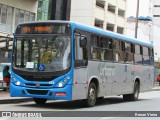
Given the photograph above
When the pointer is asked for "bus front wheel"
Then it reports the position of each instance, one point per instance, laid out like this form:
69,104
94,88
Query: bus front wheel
134,96
40,100
92,95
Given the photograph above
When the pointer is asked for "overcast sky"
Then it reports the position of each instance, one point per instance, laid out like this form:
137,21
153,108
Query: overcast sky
143,8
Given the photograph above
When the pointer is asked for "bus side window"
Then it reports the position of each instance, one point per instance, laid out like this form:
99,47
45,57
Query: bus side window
95,48
80,52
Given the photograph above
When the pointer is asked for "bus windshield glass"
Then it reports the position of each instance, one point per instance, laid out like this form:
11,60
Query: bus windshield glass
42,53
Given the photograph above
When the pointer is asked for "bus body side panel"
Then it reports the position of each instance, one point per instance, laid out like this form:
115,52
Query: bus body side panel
102,71
145,75
80,87
128,82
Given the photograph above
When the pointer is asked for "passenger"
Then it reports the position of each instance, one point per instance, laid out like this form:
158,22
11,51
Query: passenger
6,75
158,79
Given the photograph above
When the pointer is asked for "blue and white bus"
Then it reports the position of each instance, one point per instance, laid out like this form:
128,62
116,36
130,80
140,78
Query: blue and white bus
64,60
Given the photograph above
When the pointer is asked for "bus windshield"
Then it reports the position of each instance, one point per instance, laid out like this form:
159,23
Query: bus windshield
42,53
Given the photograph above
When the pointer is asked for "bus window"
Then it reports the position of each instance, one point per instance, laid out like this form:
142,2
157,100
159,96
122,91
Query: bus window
138,55
80,52
128,53
95,48
146,60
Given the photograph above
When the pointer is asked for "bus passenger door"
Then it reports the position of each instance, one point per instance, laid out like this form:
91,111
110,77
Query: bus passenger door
80,66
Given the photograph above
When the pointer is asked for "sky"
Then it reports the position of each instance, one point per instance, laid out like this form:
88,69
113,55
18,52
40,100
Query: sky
143,8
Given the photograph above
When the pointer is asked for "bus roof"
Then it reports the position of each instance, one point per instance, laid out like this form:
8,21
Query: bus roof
111,34
96,31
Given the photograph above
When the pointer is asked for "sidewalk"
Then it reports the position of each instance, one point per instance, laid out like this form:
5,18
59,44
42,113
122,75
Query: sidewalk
5,97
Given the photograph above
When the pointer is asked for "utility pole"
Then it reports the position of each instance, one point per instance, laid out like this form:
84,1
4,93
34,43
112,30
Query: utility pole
136,27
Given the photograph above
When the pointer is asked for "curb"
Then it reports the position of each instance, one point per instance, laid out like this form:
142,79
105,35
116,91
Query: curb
156,89
6,101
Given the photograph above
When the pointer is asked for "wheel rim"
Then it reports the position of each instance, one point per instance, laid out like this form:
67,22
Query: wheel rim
92,96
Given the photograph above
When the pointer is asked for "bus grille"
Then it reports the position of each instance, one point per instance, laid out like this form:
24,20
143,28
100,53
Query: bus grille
38,92
34,85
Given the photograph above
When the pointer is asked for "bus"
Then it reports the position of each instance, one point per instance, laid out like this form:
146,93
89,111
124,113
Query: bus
65,60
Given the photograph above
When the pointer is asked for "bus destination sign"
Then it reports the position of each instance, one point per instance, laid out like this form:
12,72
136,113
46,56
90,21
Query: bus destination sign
43,29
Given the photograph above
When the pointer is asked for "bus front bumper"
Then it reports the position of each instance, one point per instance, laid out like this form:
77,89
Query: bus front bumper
54,93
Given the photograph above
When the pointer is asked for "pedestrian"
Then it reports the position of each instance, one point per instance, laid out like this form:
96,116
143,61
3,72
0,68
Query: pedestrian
158,79
6,75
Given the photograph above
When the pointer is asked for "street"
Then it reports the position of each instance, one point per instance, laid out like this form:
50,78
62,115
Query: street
148,101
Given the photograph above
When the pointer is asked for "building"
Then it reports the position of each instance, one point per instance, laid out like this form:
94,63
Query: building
156,12
144,28
54,9
105,14
147,32
13,12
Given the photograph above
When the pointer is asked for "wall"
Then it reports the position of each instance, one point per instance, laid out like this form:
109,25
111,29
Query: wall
28,5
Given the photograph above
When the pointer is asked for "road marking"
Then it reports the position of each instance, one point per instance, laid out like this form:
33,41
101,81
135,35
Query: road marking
107,118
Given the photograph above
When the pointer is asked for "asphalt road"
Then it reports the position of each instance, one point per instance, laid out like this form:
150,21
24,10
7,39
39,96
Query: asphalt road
149,102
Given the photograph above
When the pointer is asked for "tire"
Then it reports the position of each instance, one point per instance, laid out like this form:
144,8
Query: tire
135,95
92,95
40,100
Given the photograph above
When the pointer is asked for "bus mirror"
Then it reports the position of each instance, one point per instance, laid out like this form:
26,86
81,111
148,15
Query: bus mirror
83,42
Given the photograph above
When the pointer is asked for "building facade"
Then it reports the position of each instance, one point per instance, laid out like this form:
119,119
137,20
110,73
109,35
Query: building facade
156,12
147,32
13,12
105,14
53,9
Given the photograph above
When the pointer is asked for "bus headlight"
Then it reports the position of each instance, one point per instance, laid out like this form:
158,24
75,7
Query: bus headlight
63,82
60,84
16,82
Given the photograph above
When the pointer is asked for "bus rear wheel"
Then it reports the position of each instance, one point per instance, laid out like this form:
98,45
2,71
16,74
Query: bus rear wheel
40,100
92,95
135,95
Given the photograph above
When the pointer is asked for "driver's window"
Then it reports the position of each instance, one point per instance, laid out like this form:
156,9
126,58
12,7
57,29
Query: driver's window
78,49
80,52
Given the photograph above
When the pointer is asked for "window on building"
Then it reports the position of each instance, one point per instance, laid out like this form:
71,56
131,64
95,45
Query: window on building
98,23
110,27
17,14
43,9
6,18
26,16
120,30
23,16
32,17
156,15
156,5
111,8
9,16
121,12
100,3
3,14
